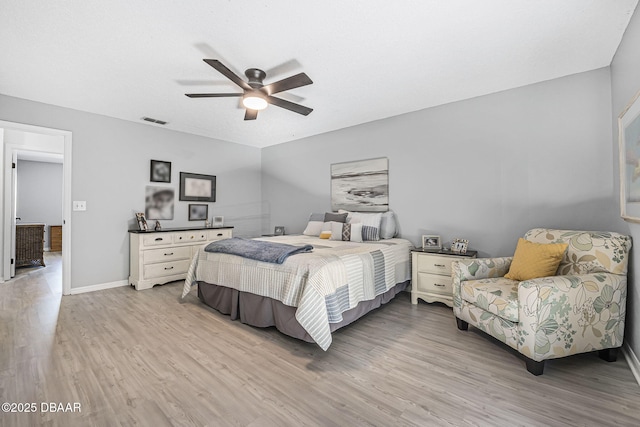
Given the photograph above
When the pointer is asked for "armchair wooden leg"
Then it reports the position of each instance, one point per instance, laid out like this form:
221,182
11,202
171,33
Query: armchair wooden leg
609,354
535,368
462,325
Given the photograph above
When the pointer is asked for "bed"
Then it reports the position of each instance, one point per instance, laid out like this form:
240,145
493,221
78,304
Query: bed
310,295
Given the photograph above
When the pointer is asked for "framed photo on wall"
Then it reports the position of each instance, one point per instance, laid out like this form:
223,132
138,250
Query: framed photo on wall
160,171
198,212
159,202
629,145
195,187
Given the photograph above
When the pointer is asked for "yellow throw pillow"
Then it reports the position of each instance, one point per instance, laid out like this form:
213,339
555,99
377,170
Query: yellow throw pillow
325,235
533,260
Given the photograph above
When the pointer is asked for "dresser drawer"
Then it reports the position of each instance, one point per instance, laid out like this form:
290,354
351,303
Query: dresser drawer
435,264
191,236
166,269
157,239
154,256
220,234
435,284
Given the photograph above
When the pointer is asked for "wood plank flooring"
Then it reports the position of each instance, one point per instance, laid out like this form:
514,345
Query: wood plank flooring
147,359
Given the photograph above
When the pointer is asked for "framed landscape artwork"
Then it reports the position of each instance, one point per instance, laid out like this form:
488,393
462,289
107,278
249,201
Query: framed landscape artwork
196,187
629,143
361,186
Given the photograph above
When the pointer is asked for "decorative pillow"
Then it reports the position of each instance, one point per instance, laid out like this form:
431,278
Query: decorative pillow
314,226
335,217
370,224
325,235
533,260
346,232
388,226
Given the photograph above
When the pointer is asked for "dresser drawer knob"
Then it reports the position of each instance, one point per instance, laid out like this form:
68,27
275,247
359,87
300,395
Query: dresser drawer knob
169,254
168,268
438,285
158,239
440,265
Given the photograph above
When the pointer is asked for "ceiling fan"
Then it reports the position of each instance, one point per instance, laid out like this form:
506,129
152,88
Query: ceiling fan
256,96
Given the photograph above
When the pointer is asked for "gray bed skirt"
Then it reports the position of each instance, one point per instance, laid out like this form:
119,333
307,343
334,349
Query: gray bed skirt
256,310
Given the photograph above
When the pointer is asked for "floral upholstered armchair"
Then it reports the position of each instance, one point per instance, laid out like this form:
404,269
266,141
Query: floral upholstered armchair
579,310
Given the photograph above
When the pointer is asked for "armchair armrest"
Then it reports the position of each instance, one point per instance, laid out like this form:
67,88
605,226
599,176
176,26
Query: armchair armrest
564,315
474,269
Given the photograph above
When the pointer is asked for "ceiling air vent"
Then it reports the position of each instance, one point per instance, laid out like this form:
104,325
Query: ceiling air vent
149,119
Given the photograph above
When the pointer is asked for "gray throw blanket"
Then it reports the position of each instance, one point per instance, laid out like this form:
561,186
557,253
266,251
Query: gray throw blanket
259,250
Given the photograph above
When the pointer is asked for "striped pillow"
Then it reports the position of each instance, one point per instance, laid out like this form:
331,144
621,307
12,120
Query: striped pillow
370,224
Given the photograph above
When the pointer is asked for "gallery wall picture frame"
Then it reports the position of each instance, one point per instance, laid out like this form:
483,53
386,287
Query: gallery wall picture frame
431,241
195,187
217,221
629,147
160,171
159,202
198,212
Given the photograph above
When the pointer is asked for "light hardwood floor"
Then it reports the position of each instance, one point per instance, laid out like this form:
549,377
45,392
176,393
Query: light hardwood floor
144,358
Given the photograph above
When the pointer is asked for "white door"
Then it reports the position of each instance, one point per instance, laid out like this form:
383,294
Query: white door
14,206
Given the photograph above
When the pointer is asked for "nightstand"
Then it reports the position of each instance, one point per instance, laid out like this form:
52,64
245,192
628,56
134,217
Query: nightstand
431,274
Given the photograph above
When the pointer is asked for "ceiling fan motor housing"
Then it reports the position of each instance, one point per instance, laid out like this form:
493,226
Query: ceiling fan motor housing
255,76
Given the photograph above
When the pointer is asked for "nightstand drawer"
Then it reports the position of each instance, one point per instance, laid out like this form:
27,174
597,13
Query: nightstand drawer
435,264
220,234
191,236
157,239
434,283
166,269
155,256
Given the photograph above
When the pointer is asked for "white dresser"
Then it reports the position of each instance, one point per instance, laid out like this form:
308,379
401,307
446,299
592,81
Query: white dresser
431,275
158,257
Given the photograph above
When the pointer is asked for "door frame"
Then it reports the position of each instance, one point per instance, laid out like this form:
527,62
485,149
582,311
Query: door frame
5,184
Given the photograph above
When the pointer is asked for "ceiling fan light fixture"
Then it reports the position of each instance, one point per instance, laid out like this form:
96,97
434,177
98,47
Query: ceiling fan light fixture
254,101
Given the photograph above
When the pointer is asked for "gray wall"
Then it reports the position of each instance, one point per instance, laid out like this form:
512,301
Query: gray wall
39,197
111,169
487,169
625,83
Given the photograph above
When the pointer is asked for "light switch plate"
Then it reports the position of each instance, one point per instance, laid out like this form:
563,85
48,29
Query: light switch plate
79,205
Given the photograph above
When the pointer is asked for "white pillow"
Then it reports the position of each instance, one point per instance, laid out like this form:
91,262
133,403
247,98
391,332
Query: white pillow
370,224
314,226
346,232
388,226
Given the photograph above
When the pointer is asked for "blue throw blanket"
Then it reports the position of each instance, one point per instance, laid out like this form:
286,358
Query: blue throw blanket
259,250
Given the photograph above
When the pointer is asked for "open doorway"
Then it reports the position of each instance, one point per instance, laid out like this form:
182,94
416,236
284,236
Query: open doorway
38,200
36,182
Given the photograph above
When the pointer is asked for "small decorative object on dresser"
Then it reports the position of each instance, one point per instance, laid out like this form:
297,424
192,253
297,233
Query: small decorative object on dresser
459,246
431,274
198,212
217,221
158,257
142,221
430,241
279,230
158,227
160,171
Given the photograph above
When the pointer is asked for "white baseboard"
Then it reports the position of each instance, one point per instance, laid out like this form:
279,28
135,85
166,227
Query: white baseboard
99,287
633,361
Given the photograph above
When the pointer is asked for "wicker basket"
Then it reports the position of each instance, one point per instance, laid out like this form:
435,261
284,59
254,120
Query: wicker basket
29,245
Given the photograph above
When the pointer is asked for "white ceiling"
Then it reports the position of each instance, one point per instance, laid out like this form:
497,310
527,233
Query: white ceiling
368,59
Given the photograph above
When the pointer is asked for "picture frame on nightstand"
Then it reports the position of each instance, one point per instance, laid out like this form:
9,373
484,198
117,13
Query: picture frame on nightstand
278,230
460,246
431,242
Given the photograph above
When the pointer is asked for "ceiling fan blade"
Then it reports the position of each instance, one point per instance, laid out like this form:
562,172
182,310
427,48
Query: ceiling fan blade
213,95
289,83
296,108
251,114
227,73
